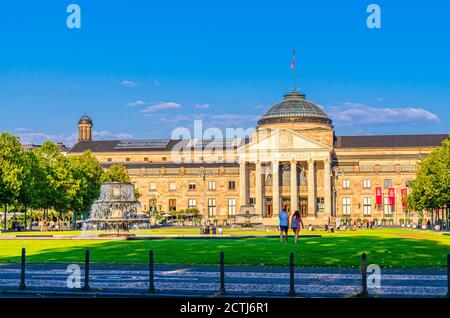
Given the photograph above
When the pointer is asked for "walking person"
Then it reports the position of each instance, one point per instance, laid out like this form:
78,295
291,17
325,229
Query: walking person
297,224
284,225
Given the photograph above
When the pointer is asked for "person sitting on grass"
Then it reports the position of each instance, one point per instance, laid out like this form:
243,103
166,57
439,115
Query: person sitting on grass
284,225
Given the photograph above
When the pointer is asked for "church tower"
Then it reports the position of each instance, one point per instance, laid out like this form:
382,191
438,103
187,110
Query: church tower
85,128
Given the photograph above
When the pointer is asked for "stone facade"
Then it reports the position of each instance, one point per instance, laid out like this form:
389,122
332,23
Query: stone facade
292,161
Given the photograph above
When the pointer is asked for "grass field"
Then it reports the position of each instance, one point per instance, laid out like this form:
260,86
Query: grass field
385,247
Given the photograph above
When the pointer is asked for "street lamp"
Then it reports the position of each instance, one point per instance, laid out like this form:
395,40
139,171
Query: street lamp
204,174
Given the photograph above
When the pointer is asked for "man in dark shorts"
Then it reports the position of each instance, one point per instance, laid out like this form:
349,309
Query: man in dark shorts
284,225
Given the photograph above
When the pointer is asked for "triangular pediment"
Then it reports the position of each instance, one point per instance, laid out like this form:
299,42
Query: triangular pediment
283,140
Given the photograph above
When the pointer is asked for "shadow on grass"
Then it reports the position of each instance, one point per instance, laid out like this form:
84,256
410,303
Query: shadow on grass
343,251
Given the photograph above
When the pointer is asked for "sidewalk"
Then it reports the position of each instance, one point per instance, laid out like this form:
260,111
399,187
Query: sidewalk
203,281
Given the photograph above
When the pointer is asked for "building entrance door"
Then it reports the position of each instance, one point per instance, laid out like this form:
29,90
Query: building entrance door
304,207
286,205
268,211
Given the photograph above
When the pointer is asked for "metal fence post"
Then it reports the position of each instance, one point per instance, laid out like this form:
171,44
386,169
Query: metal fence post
291,276
448,275
151,273
364,292
22,271
222,290
86,271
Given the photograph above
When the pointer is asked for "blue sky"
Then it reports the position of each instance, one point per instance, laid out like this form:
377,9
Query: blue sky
142,68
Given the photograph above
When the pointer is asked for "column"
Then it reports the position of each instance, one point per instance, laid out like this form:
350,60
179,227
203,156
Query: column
327,186
243,183
294,187
276,188
259,198
311,189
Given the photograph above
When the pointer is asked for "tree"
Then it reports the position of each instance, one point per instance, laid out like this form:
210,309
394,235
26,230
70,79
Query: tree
11,169
32,186
60,186
115,173
88,172
431,187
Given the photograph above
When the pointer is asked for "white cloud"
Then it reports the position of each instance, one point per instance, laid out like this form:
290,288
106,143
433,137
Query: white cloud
68,139
106,134
202,106
136,103
156,83
128,83
161,106
21,129
362,114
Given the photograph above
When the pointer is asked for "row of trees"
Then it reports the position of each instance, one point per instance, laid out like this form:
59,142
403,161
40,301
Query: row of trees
431,187
44,179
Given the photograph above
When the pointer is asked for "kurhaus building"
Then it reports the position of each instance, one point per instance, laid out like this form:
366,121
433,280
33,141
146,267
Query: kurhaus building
292,161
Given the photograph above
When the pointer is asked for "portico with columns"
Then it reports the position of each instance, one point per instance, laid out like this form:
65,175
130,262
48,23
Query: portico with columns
285,166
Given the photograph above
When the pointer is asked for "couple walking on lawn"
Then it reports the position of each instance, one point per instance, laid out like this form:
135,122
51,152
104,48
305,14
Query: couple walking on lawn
296,225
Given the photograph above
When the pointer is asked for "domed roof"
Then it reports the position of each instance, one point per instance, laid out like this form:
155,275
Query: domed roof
85,119
294,108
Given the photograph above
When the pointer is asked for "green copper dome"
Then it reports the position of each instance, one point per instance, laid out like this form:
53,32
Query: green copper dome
294,108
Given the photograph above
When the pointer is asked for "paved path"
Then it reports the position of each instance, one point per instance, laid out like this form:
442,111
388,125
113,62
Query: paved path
245,281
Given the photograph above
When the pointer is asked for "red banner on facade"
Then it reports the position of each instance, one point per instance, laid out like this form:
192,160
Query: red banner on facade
391,195
404,194
379,195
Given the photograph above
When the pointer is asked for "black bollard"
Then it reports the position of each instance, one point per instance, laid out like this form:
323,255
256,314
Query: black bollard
222,290
151,273
291,276
448,275
364,292
22,271
86,271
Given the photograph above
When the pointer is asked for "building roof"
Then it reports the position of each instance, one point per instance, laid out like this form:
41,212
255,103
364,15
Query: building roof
149,145
390,141
85,120
294,107
342,142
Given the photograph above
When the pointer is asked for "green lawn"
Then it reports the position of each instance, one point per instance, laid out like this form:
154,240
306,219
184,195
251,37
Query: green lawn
386,247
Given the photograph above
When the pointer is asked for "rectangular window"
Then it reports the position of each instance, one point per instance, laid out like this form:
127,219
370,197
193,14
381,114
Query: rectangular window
387,183
191,186
367,184
346,184
346,205
387,208
211,207
172,186
231,185
127,159
152,186
320,204
192,203
231,206
172,204
252,201
367,206
164,158
211,185
145,158
109,159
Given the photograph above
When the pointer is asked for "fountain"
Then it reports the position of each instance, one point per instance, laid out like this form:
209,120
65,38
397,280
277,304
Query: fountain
247,218
115,211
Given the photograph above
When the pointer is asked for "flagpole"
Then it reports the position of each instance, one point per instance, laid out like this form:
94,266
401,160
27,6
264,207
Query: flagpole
295,73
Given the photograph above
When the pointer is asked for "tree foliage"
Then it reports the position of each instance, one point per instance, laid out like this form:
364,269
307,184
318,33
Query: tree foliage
115,173
45,179
11,169
431,187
